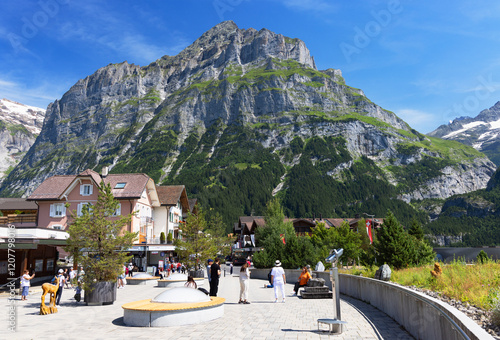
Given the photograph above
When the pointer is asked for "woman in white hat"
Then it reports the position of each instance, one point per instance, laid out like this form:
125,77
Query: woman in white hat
278,280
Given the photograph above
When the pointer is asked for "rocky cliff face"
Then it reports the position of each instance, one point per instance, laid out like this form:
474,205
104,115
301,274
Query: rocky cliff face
19,126
480,132
247,87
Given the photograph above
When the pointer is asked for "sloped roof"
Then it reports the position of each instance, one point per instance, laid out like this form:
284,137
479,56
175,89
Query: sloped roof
336,222
53,187
91,173
17,204
134,187
250,222
169,195
192,204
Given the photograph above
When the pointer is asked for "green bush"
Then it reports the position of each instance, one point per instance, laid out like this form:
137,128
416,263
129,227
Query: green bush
482,257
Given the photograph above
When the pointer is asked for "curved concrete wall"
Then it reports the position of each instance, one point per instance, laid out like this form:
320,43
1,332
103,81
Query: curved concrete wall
422,316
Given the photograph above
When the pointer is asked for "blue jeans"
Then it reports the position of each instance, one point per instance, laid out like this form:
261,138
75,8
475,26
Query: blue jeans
58,295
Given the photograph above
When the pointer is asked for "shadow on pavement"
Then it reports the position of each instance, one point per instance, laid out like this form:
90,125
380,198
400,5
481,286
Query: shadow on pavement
375,317
119,322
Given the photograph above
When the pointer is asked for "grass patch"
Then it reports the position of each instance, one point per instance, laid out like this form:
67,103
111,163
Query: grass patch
476,284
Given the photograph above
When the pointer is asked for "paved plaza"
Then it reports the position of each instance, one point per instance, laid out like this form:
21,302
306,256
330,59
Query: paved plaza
262,319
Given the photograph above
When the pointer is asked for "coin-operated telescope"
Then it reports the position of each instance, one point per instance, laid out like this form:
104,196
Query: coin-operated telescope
334,256
335,325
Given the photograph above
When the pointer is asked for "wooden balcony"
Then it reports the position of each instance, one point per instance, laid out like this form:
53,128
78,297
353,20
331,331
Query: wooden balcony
28,220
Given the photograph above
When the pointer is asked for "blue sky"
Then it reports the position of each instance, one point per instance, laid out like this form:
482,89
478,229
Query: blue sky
427,62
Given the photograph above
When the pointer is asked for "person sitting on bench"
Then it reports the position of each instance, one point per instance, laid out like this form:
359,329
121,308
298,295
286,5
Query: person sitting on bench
303,279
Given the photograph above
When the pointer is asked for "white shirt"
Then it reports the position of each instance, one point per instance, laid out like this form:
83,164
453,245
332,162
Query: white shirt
245,275
61,280
25,280
277,274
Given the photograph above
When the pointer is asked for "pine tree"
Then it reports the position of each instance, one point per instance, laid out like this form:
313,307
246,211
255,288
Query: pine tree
394,244
195,245
416,230
271,239
217,229
399,249
96,240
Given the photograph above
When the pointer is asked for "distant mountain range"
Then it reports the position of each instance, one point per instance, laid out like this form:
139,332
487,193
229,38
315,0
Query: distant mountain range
481,132
240,116
19,126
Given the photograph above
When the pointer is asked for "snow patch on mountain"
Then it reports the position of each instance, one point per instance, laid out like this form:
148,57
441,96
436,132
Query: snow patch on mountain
15,113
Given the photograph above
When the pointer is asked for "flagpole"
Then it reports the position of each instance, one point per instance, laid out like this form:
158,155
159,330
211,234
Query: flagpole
371,226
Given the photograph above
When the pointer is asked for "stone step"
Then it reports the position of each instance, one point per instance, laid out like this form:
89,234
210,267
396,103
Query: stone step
306,295
317,289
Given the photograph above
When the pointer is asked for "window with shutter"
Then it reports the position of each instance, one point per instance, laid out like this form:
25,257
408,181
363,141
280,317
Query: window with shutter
57,210
118,210
86,189
80,208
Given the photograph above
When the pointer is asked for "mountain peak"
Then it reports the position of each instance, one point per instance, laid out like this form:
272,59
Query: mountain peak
225,26
225,42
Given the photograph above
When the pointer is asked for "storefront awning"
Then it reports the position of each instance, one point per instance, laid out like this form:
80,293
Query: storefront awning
163,247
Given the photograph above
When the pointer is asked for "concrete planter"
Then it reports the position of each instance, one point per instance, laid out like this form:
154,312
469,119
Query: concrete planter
103,293
196,273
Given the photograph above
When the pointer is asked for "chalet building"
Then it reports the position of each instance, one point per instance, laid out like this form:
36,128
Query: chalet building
58,197
156,209
62,196
168,217
35,249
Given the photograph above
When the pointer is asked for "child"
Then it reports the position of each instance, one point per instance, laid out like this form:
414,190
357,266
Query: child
78,293
25,284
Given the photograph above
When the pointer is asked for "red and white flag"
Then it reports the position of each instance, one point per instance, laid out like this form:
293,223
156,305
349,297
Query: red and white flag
369,230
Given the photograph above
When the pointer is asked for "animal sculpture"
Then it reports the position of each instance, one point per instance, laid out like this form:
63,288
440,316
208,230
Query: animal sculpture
52,289
437,270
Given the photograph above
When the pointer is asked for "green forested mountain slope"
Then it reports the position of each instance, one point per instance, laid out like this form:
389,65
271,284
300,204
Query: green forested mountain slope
473,219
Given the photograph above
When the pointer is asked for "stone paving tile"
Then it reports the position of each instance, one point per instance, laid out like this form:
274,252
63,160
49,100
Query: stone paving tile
262,319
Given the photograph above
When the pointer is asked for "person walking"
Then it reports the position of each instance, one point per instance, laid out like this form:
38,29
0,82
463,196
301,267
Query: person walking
214,275
303,279
121,277
278,280
25,284
72,276
231,268
244,283
130,269
66,277
61,285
